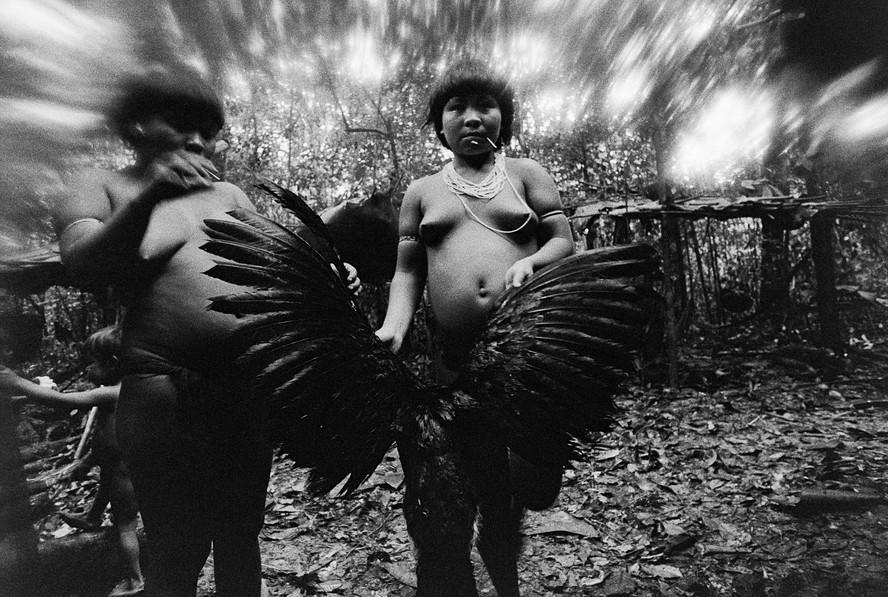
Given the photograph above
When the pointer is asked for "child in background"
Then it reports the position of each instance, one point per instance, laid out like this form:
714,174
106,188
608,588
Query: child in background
114,482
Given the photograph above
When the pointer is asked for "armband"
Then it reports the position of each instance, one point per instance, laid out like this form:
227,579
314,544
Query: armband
409,237
80,221
554,212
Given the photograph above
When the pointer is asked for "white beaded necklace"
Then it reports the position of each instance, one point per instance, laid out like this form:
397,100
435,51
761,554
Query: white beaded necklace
487,189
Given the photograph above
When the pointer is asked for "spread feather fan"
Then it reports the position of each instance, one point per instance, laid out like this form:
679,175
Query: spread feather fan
544,371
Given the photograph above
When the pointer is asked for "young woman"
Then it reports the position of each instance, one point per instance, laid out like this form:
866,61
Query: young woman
483,223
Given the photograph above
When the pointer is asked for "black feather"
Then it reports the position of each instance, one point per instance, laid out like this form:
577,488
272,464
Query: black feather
556,350
309,218
543,372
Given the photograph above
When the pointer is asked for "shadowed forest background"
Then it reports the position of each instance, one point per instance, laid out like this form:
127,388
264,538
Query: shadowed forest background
747,140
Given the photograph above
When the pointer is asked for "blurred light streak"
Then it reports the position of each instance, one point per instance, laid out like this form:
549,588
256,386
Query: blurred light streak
522,54
554,108
699,22
867,124
363,58
628,90
850,116
734,127
60,66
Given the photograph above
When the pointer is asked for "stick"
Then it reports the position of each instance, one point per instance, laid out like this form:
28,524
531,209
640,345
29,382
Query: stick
87,429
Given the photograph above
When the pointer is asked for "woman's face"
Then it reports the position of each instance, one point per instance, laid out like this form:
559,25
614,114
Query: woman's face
172,131
471,123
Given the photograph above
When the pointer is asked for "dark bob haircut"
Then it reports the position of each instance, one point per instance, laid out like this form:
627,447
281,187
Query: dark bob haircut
104,345
182,91
470,77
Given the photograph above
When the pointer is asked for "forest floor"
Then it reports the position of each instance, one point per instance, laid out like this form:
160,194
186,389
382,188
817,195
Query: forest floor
758,479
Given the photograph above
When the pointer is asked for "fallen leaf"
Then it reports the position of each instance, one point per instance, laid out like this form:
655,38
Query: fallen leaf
557,522
670,528
617,583
399,572
661,570
607,455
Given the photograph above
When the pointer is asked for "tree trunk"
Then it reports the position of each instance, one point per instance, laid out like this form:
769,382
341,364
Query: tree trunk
823,255
822,251
18,540
774,289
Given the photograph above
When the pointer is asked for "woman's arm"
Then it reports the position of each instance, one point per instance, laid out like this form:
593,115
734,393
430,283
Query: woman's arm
554,234
410,274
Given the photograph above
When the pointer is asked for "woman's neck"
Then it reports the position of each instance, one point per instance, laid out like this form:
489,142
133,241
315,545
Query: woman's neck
476,163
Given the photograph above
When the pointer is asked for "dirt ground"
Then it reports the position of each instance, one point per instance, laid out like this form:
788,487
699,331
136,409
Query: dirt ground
758,479
765,485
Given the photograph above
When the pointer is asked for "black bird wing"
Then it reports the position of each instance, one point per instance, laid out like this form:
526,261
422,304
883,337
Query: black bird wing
320,236
333,392
557,349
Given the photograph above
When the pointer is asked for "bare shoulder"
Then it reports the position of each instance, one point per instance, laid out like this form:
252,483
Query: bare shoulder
235,194
540,190
526,168
85,196
423,185
421,188
92,179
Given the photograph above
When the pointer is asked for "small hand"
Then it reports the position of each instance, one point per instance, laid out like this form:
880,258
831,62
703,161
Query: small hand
353,281
518,274
392,341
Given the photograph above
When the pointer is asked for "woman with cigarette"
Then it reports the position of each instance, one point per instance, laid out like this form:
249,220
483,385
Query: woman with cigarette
483,223
200,473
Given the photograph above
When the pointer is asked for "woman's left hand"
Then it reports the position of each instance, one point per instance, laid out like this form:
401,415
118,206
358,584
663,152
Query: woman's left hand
518,274
353,281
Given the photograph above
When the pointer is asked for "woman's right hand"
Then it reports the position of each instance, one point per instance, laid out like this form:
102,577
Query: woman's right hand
175,173
391,340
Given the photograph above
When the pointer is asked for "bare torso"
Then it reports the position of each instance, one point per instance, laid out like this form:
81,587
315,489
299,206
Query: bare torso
467,262
166,299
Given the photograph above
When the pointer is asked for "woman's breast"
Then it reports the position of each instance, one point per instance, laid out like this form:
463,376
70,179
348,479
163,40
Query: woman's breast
504,214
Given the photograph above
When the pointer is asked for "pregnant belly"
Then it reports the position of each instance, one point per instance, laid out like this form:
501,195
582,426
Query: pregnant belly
466,275
461,305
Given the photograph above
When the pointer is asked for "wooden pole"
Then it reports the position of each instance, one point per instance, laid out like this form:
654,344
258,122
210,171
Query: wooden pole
823,254
668,241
